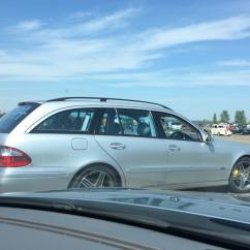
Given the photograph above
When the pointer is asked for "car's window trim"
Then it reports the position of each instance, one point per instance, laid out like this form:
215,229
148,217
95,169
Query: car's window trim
98,120
66,131
63,132
161,132
116,110
150,116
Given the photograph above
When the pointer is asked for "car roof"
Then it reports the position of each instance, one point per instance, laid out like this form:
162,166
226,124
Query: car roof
102,101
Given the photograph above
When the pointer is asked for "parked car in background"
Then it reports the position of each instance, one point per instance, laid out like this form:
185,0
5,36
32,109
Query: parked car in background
246,130
221,129
237,128
82,142
240,129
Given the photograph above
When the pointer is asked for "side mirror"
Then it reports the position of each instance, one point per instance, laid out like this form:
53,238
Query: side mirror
207,136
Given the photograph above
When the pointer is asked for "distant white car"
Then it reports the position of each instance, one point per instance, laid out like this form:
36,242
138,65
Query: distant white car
221,129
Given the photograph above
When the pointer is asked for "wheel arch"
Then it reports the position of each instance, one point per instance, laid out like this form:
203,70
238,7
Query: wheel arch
232,187
239,158
234,160
120,175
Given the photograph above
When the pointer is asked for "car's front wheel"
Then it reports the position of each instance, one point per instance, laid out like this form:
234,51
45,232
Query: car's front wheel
239,180
96,176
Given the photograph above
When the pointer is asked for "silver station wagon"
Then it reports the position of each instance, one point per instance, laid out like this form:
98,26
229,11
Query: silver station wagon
82,142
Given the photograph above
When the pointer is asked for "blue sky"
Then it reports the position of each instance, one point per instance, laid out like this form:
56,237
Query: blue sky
193,56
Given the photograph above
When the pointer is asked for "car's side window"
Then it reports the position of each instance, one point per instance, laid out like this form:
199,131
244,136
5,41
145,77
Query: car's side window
109,123
136,122
69,121
175,128
127,122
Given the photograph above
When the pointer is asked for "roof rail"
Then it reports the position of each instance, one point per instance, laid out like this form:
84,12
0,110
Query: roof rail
105,99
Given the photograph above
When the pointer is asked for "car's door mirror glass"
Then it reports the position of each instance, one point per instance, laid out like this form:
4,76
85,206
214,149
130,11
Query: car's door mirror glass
208,136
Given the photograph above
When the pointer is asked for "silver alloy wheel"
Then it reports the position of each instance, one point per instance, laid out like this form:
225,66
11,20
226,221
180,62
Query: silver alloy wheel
96,176
240,176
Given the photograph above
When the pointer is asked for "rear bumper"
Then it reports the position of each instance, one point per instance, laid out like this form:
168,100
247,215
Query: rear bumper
15,182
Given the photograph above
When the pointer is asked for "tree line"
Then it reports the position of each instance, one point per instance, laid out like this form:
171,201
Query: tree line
239,117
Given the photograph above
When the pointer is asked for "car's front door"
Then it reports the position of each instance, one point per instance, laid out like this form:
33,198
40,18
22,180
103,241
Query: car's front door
129,137
190,160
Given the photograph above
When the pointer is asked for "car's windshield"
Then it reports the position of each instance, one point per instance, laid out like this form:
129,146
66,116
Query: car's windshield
135,94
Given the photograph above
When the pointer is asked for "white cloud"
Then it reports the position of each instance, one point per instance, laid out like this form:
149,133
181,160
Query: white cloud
236,63
80,15
227,29
176,78
110,22
82,29
29,25
77,51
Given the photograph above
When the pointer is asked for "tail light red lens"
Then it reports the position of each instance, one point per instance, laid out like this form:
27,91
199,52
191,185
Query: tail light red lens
12,157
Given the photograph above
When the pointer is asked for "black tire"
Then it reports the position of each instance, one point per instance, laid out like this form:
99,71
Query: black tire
239,180
96,176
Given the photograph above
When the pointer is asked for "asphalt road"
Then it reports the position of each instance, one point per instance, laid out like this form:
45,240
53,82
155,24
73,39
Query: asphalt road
237,138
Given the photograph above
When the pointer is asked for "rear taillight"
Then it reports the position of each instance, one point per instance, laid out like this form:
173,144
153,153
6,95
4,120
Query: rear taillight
12,157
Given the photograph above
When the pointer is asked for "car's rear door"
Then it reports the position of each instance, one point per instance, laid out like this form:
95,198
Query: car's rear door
129,137
60,143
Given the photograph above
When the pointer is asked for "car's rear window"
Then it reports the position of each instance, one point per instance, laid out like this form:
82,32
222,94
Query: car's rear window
10,120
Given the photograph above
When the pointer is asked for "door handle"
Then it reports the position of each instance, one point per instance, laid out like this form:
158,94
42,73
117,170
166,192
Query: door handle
174,148
117,146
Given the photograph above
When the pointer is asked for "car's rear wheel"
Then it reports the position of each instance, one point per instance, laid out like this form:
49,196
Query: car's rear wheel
96,176
239,180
